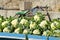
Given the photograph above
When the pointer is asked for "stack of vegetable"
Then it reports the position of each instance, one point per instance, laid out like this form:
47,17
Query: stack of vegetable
36,25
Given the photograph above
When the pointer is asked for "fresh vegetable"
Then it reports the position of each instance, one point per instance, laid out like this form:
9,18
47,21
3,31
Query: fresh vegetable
35,25
26,31
43,24
32,25
36,31
7,29
18,30
23,21
14,22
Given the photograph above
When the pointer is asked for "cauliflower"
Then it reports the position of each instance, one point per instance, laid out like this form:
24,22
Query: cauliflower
36,18
54,24
43,23
4,23
56,32
6,29
36,31
44,33
32,25
23,21
14,22
26,31
17,30
47,33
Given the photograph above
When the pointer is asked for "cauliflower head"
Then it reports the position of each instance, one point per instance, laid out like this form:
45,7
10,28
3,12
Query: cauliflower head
54,25
32,25
17,30
36,31
43,23
4,23
25,31
23,21
14,22
36,18
6,29
47,33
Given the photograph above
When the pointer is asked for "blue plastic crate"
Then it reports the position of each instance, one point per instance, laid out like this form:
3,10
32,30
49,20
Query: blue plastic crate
12,35
54,38
35,37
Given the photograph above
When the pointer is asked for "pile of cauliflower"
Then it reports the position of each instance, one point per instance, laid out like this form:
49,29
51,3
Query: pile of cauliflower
36,25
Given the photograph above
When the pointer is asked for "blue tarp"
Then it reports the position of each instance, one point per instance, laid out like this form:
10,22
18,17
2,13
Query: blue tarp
23,36
54,38
35,37
12,35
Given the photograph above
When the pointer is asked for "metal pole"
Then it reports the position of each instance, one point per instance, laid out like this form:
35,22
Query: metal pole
48,13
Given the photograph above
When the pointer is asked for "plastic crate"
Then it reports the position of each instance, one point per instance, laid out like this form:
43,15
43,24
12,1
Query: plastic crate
35,37
12,36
